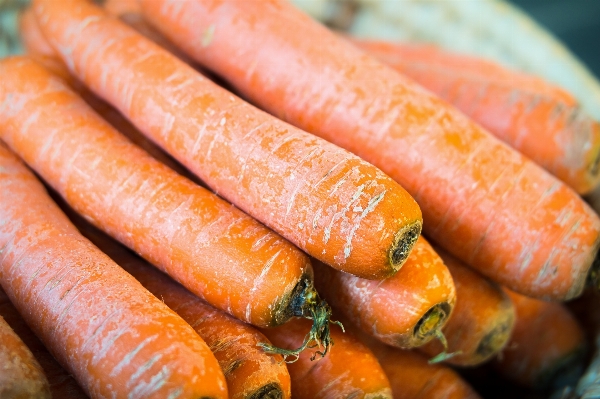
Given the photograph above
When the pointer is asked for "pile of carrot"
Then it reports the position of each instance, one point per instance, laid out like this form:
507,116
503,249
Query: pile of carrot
227,199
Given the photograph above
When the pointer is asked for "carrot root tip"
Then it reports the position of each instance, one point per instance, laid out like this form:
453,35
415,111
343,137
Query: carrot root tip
403,243
307,303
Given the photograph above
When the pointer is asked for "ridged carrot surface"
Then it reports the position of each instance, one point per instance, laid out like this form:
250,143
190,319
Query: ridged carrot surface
405,310
206,244
98,321
38,48
249,371
330,203
481,200
547,346
21,376
349,370
62,384
482,320
540,120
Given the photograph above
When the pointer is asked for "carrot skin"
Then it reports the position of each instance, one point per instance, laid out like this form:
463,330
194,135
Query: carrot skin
481,200
546,348
89,313
21,375
363,222
212,249
62,384
540,120
249,371
482,321
349,370
405,310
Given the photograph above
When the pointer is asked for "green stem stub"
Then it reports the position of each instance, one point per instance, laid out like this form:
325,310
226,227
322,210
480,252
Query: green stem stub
308,304
444,355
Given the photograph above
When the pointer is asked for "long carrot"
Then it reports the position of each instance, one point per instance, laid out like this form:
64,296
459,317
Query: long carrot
405,310
209,246
102,325
546,348
482,320
348,371
21,376
327,201
481,200
62,384
249,371
538,119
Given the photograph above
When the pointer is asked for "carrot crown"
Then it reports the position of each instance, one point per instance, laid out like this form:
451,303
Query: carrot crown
307,303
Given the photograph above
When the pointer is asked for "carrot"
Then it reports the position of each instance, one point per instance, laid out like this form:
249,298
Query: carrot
38,48
100,323
209,246
481,200
62,384
481,322
327,201
21,376
250,373
546,348
538,119
412,377
349,370
405,310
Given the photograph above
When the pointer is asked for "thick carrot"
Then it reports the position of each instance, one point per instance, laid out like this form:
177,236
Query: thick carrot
38,48
538,119
21,376
327,201
249,371
62,384
348,371
209,246
100,323
546,348
481,322
405,310
481,200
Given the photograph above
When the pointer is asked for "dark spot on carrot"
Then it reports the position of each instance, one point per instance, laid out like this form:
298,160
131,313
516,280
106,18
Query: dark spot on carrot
231,367
404,243
269,391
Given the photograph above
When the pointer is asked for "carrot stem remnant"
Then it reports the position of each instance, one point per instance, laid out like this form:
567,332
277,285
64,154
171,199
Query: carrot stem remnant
308,304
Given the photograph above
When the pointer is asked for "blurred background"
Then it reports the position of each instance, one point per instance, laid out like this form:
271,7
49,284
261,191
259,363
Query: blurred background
575,22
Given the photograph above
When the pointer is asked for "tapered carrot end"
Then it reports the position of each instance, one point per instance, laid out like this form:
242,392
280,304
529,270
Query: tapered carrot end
307,303
404,242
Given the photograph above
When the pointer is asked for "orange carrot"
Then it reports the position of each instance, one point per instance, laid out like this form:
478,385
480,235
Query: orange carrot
327,201
21,376
405,310
412,377
100,323
482,201
538,119
38,48
481,322
62,384
348,371
546,348
209,246
250,373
